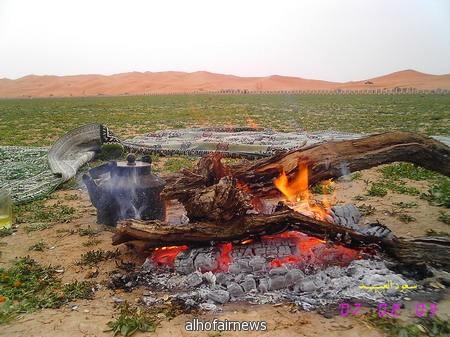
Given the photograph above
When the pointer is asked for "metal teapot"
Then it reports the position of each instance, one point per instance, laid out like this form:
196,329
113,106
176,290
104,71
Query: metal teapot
125,190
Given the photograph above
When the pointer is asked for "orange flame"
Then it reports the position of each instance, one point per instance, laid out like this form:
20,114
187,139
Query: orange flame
298,195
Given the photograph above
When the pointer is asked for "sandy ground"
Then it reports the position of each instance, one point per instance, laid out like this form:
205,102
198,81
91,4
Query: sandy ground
89,318
137,83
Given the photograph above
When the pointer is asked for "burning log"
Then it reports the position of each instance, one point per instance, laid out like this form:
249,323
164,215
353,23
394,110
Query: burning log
159,234
154,233
326,160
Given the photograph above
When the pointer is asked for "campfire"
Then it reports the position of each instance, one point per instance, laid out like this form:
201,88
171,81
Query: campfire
292,248
255,230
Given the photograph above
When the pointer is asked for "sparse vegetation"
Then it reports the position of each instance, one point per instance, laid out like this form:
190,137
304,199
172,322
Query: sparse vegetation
37,227
131,320
366,209
395,176
89,231
356,176
406,171
37,211
38,246
422,327
404,205
406,218
444,217
377,190
91,242
6,232
439,193
28,286
93,257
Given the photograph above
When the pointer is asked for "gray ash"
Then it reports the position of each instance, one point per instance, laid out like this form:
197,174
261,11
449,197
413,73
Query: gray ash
287,267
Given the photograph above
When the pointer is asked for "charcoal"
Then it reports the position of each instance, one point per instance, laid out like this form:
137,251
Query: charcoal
307,284
293,276
240,277
346,215
235,290
209,277
193,280
257,263
223,278
249,283
251,278
263,285
278,271
284,250
219,296
277,282
234,268
244,266
184,265
206,261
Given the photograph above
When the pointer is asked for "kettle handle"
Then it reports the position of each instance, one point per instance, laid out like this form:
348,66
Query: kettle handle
92,188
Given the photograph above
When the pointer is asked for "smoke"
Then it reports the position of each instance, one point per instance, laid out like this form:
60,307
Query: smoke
345,171
129,201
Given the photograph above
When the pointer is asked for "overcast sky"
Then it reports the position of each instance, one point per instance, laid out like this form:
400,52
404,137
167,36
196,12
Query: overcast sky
338,40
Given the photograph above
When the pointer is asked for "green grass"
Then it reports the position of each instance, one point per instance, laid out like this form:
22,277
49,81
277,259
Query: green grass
41,121
93,257
175,164
395,178
407,170
439,193
28,286
377,189
131,320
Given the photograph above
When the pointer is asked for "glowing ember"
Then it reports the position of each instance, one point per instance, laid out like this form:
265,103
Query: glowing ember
298,196
225,257
290,247
309,246
167,255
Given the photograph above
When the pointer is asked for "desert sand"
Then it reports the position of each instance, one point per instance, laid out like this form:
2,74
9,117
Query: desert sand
146,83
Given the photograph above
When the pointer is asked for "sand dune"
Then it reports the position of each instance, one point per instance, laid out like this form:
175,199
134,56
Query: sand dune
137,83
